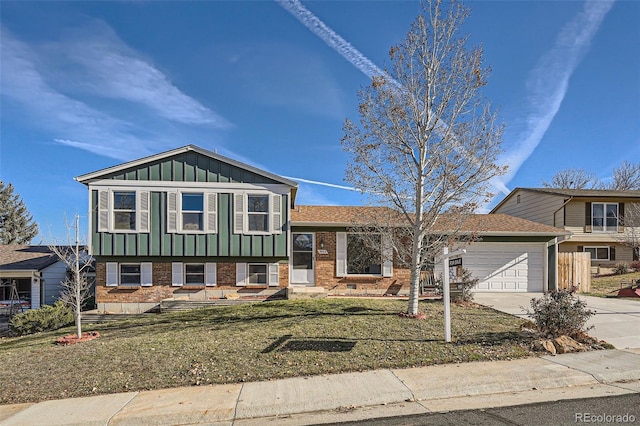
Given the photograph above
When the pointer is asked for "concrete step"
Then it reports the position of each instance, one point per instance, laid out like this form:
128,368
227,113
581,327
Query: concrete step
300,292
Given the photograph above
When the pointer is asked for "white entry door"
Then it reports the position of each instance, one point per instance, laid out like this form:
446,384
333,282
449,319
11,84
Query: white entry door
302,259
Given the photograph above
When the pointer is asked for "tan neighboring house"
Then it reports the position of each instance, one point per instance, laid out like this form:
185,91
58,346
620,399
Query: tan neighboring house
594,219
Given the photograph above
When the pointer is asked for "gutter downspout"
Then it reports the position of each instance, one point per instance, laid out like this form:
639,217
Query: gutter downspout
560,208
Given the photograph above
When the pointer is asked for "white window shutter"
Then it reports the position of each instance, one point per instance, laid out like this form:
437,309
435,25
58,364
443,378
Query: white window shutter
103,210
112,274
238,213
172,212
274,274
143,211
241,274
146,274
176,274
210,270
212,212
387,256
341,254
276,217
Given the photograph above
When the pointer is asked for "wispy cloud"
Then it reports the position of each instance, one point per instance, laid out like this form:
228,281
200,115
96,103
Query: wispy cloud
315,182
549,81
60,92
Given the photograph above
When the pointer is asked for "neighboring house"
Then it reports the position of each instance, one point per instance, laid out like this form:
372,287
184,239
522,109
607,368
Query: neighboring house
36,271
509,253
192,224
594,218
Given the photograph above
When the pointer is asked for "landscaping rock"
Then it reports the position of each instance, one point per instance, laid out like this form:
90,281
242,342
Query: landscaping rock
543,345
565,345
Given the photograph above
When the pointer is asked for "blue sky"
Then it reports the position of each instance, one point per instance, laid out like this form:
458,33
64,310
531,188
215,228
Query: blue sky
87,85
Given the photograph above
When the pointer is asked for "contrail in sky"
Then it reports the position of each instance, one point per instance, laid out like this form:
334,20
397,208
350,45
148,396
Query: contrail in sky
549,80
315,182
350,53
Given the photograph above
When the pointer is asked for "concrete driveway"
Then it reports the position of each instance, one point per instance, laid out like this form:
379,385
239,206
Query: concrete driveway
616,321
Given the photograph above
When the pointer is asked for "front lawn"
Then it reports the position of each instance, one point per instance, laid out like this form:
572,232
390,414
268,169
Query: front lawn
608,286
262,341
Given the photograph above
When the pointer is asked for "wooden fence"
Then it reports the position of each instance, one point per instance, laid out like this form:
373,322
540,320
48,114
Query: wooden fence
574,270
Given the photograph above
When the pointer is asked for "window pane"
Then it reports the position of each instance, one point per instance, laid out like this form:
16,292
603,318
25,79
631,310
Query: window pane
591,251
194,274
598,210
124,200
129,274
257,274
302,260
258,222
364,254
302,242
258,203
612,210
124,220
192,221
193,202
602,253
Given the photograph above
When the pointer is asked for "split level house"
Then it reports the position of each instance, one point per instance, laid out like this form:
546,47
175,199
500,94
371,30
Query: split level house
192,224
593,219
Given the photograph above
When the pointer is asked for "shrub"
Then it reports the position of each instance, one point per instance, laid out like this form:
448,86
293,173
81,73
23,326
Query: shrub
467,284
635,265
45,318
621,268
560,313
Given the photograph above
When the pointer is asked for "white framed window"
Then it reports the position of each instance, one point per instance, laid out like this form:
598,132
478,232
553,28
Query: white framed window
357,254
604,217
193,274
257,213
259,274
599,252
129,274
192,212
123,210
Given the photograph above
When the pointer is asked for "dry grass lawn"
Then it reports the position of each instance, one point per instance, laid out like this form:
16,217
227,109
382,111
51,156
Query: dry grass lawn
261,341
608,286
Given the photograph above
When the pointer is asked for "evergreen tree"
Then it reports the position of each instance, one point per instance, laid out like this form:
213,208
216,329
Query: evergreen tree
16,223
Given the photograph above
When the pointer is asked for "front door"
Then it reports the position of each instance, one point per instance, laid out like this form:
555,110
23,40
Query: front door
302,259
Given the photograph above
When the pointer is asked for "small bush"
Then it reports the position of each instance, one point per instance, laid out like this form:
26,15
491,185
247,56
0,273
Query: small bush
635,265
621,268
467,285
560,313
45,318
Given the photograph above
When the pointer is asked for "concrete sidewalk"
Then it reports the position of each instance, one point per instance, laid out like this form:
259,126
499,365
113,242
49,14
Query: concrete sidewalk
352,396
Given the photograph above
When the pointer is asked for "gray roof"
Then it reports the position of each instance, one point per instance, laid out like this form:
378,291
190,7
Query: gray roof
26,258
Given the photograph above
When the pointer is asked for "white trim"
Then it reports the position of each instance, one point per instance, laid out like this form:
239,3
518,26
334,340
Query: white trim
241,274
224,187
112,274
210,274
146,274
605,229
273,274
177,276
152,158
341,254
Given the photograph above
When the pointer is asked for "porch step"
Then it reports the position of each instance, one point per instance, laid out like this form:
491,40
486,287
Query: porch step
187,305
295,292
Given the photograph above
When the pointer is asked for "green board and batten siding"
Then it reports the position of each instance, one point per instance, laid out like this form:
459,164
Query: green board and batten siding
189,167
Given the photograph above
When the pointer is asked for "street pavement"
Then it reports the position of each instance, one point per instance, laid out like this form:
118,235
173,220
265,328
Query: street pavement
380,393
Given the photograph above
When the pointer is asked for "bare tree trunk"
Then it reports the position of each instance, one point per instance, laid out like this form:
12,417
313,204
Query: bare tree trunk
76,277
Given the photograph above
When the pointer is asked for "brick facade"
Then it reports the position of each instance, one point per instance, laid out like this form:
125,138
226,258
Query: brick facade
162,288
326,274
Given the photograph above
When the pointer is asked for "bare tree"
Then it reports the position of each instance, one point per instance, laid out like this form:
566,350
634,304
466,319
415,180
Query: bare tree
427,141
75,288
573,179
626,176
